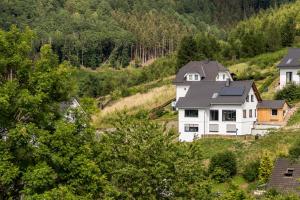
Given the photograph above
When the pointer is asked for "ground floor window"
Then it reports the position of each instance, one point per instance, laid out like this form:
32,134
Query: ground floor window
214,115
229,115
244,113
191,128
289,77
213,128
250,113
231,128
274,112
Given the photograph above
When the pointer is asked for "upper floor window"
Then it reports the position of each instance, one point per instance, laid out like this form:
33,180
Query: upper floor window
247,98
229,115
191,113
193,77
244,113
224,77
252,98
250,113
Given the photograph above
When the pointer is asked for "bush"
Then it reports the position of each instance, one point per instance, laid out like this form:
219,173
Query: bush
251,171
225,161
290,93
220,175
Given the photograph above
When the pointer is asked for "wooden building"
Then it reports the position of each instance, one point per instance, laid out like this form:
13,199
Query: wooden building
272,111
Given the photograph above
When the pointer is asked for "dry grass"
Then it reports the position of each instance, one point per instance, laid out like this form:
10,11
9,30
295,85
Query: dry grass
146,101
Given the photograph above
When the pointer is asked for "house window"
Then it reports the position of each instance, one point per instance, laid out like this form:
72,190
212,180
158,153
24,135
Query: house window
250,113
255,113
196,77
191,128
247,98
231,128
224,77
252,98
229,115
289,77
190,77
214,115
289,172
244,113
213,128
274,112
191,113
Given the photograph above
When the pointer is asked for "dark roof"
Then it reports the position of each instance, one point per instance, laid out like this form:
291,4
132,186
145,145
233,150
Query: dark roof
272,104
292,59
208,70
279,181
200,94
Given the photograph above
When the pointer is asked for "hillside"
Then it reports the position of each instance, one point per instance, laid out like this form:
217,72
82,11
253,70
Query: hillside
115,32
82,118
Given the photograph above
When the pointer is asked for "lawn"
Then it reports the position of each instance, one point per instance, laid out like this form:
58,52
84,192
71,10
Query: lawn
295,119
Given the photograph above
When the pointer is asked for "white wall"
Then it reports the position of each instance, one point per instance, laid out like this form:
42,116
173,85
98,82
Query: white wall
181,91
295,76
244,125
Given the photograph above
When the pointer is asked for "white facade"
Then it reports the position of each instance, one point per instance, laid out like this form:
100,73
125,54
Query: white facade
242,125
284,76
181,91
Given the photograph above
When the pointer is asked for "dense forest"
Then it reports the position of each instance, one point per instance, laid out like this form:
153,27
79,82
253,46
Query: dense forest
114,32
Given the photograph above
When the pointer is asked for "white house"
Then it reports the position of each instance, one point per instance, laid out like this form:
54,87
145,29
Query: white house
207,103
289,68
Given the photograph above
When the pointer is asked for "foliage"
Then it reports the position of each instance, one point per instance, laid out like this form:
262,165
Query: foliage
187,51
291,93
251,171
295,118
265,167
114,32
234,193
294,151
119,82
150,165
223,166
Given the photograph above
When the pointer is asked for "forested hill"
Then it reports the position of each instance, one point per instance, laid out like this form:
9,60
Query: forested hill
114,32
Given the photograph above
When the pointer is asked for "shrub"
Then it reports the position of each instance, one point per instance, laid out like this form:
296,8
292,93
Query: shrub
225,161
290,93
251,171
265,167
220,175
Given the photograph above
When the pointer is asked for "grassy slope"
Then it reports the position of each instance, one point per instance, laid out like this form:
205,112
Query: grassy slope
149,95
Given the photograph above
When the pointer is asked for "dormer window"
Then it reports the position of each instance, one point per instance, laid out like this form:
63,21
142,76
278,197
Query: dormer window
289,172
193,77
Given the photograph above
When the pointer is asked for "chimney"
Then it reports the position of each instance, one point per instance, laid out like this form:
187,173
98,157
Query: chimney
227,84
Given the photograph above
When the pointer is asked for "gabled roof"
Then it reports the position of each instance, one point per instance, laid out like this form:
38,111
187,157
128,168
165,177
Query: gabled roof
271,104
279,181
203,94
208,70
292,59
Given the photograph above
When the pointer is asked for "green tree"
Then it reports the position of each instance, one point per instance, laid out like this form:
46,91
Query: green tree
187,51
288,32
223,164
265,168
